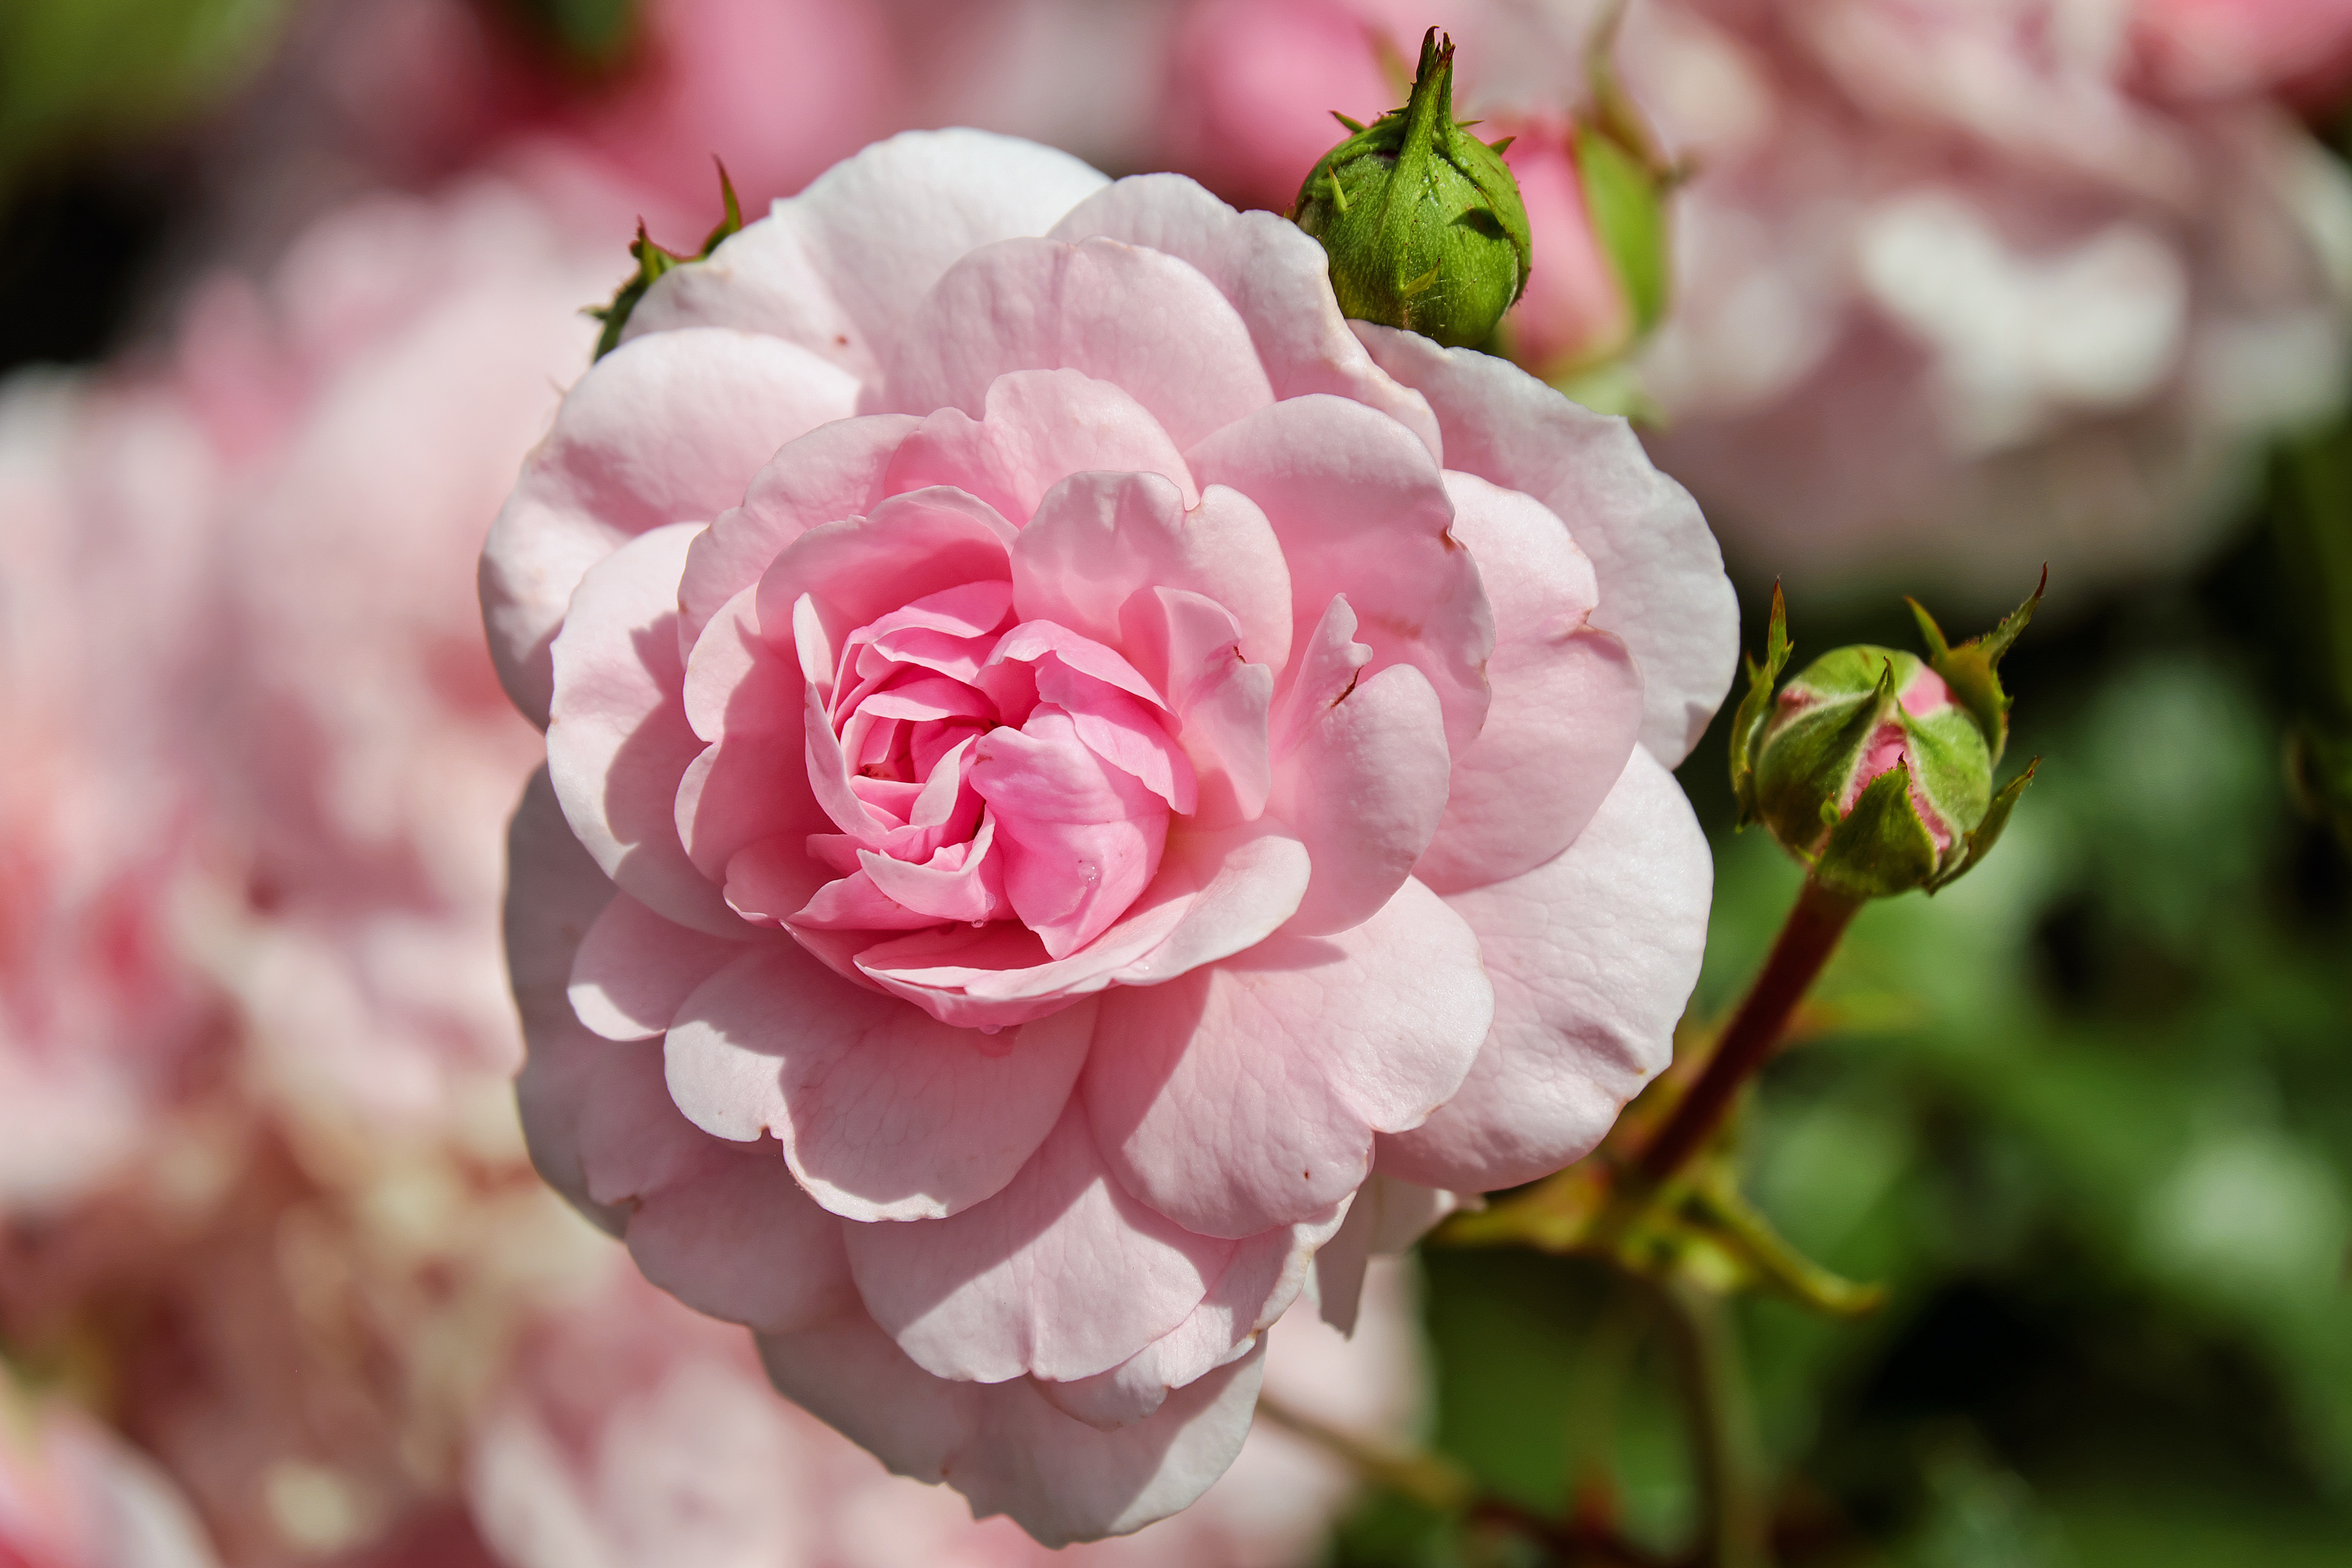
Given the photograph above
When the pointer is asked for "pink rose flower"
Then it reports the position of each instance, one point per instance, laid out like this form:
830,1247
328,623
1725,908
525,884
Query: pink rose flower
1089,755
106,490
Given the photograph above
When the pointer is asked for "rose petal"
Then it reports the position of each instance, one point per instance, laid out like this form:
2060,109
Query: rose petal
860,569
884,1114
618,742
1362,510
1040,428
1189,647
1080,835
1100,539
813,273
1136,318
663,432
1004,1446
1387,1217
1661,584
554,893
1061,1274
1277,277
1245,1095
635,968
1218,892
1567,698
721,1226
751,784
1262,1278
1584,1008
832,473
1363,787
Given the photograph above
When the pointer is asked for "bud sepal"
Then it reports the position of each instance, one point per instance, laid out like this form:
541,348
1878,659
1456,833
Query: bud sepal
653,261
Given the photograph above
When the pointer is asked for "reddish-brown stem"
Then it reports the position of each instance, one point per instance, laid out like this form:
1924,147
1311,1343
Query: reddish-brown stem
1804,945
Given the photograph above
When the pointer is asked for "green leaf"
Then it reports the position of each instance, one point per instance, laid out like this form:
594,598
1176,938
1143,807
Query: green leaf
1755,707
1973,669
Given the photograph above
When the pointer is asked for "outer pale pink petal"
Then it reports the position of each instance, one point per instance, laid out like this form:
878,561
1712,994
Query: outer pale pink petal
833,472
554,893
720,1225
733,1236
1139,320
1360,509
1219,892
656,433
1661,584
635,968
603,1130
1567,698
1264,1275
1364,789
1275,276
1100,539
1063,1480
1062,1274
1388,1215
1041,426
853,1377
1245,1095
1593,956
618,742
884,1114
1005,1446
816,271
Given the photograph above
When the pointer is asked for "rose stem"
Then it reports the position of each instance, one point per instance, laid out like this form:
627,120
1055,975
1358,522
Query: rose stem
1805,943
1732,1525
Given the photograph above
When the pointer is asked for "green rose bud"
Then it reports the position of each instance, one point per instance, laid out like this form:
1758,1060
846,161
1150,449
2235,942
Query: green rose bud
1421,220
1875,767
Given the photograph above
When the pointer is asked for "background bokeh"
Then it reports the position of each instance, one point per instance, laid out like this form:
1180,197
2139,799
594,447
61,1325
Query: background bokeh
288,286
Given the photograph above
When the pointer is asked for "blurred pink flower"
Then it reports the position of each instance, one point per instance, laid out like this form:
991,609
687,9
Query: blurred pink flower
985,610
2232,49
1956,298
107,495
73,1495
1959,288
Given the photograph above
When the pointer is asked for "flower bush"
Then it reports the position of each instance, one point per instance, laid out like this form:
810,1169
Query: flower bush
1080,760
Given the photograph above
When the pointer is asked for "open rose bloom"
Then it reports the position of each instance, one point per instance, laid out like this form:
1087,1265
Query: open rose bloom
1066,763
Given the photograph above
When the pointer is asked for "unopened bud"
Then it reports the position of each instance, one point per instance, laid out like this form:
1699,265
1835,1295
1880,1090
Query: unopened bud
1421,220
1875,767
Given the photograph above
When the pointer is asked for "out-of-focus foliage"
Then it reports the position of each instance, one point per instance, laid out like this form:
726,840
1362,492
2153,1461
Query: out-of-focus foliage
76,71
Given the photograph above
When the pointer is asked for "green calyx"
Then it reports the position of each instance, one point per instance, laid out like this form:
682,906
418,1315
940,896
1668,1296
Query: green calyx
1873,767
652,261
1421,221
